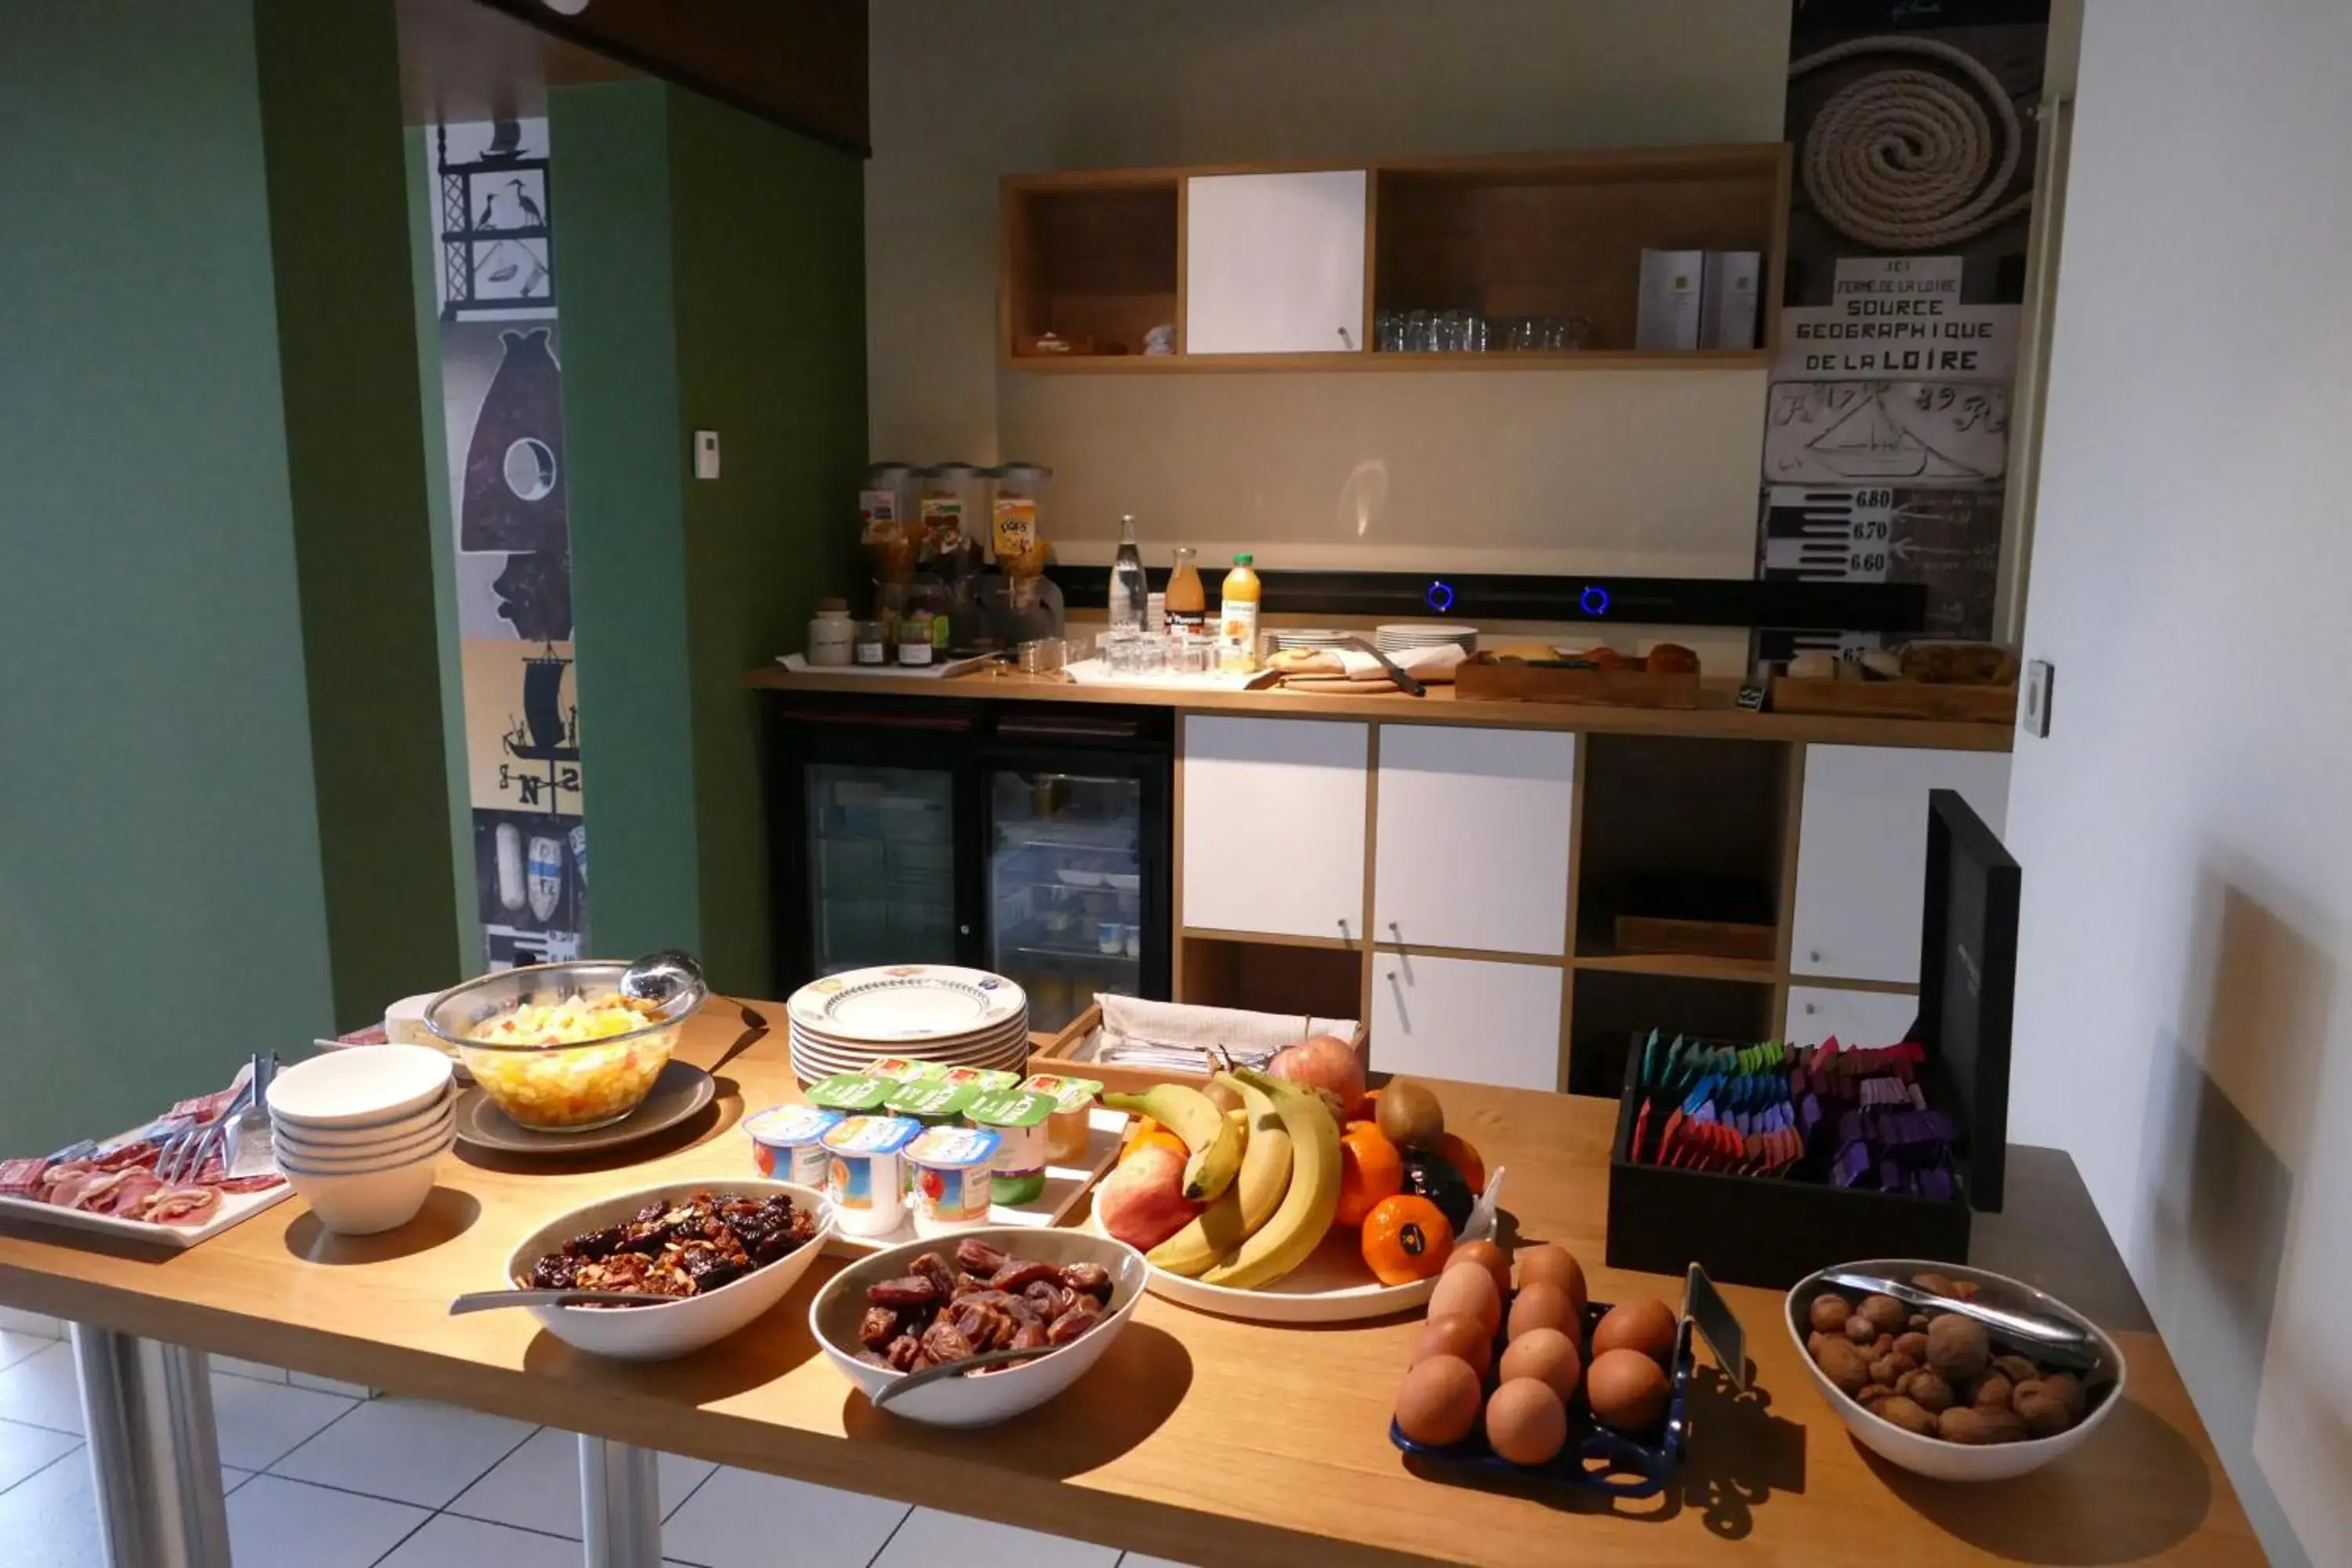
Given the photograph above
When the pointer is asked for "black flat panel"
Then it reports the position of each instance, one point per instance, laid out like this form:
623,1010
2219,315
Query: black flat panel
1510,596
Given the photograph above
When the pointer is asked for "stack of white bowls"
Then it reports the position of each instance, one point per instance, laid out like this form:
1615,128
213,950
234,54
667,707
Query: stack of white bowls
1406,637
921,1012
358,1132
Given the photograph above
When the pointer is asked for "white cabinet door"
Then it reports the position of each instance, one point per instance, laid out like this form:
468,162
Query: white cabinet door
1460,1018
1861,852
1274,825
1471,845
1274,263
1867,1018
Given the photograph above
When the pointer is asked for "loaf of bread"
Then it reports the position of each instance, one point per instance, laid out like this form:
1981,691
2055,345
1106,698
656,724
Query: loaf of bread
1673,659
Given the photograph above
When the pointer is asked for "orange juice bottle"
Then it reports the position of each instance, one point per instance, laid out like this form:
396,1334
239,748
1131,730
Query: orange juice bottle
1237,617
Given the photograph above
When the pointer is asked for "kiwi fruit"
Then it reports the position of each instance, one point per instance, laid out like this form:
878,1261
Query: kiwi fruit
1410,1116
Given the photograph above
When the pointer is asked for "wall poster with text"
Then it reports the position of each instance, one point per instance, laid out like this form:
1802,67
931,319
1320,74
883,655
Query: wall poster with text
1886,450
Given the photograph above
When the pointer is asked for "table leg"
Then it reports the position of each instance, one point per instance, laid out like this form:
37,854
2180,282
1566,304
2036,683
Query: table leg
154,1457
620,1502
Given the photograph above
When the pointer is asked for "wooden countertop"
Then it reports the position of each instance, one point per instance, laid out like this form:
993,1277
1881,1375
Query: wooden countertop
1718,716
1196,1438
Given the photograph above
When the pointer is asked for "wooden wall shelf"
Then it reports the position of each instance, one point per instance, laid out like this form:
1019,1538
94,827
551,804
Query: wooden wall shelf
1098,255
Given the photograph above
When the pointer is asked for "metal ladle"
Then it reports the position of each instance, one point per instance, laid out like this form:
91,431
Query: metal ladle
660,975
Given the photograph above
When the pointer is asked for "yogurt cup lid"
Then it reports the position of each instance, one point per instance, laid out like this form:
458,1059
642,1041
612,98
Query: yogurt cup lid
982,1078
929,1099
871,1135
954,1147
1008,1108
1067,1094
786,1125
849,1091
904,1070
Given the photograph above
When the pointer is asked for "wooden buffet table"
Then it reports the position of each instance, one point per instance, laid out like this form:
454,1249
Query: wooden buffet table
1203,1440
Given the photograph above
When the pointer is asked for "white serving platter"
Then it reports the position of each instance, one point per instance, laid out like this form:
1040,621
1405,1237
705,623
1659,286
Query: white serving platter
234,1208
1065,1184
1330,1287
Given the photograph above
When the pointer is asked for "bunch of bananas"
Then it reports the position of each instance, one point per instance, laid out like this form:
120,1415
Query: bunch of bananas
1271,1183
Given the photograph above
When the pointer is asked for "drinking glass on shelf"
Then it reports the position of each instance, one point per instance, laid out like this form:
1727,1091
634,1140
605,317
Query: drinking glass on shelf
1475,337
1416,332
1448,332
1388,330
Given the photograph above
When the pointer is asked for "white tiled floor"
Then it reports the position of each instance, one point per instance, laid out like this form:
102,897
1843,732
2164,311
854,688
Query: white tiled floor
318,1477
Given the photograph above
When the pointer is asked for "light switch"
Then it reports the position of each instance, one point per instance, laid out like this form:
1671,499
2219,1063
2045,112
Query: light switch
706,453
2036,698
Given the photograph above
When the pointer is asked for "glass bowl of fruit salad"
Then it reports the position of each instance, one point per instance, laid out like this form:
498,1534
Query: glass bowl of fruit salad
556,1046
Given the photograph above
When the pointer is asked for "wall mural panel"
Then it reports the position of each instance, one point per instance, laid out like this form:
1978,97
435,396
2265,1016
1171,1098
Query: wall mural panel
502,391
1886,437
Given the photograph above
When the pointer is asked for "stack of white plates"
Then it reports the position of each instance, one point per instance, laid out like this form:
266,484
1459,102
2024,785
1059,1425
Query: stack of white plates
923,1011
1284,638
1407,636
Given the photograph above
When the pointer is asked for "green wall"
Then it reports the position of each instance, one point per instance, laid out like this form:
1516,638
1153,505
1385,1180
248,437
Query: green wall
162,912
217,598
339,208
713,278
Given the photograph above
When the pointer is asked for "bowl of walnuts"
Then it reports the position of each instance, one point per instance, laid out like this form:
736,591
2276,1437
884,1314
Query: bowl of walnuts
1941,1393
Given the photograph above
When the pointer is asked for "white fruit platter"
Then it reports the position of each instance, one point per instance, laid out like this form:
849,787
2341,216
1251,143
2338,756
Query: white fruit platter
1328,1287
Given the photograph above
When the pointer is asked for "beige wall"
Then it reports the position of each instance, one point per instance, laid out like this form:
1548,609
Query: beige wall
1625,471
2184,998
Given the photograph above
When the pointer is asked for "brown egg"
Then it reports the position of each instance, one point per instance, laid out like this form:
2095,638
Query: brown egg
1547,1355
1626,1389
1438,1402
1643,1324
1471,1292
1554,1265
1542,1305
1457,1335
1526,1421
1486,1256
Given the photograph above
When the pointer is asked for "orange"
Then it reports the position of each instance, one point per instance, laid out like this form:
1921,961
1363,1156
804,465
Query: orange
1371,1169
1406,1238
1456,1152
1147,1133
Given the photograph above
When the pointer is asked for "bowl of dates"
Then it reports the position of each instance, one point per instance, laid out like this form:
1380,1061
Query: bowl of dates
710,1256
1067,1292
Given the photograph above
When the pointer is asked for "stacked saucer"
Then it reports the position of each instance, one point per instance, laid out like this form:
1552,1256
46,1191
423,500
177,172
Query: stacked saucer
1282,639
1404,636
921,1012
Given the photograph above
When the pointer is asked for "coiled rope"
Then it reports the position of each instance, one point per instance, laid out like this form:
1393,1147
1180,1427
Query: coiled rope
1904,159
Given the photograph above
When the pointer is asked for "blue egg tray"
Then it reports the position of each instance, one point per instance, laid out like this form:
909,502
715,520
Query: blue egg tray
1595,1457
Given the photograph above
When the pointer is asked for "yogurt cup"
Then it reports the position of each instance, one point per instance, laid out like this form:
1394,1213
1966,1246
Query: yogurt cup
866,1174
1067,1129
930,1102
1018,1119
785,1141
952,1178
850,1092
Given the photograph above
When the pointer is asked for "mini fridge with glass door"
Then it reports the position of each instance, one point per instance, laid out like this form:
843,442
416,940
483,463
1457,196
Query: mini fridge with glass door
1031,840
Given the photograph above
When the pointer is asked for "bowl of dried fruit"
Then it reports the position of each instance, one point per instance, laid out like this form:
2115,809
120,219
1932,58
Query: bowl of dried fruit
1066,1293
1945,1395
709,1256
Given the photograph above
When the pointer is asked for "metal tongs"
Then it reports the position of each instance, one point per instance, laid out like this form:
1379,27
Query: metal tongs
2054,1338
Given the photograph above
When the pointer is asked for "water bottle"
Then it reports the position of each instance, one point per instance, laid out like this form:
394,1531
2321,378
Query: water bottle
1129,587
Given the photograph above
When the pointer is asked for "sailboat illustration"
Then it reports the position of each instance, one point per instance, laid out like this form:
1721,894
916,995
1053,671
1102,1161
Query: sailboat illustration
1878,432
